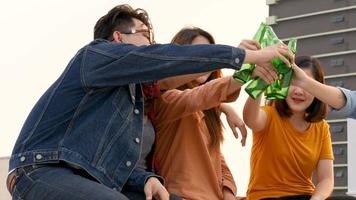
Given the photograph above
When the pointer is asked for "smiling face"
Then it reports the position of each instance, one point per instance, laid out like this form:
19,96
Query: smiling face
301,102
298,99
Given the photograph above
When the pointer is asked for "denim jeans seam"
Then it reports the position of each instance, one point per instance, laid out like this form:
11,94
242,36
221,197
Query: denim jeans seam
17,193
58,188
23,175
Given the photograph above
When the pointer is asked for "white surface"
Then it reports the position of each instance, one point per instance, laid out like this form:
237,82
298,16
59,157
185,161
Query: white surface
4,194
351,152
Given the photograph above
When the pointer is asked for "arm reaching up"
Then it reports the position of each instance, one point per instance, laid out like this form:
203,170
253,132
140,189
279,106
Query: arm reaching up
321,91
254,117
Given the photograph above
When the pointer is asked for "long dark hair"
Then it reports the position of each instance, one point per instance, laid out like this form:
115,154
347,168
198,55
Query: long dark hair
212,115
317,109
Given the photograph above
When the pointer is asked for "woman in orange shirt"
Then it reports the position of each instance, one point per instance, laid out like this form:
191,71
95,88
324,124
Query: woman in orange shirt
189,131
291,139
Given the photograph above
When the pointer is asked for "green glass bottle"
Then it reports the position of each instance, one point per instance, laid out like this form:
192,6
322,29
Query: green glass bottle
279,89
258,85
244,74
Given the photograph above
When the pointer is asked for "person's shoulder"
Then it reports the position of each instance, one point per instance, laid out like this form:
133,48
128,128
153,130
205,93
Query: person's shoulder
97,42
271,110
322,126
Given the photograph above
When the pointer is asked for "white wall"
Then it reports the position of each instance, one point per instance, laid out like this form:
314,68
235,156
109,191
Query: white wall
351,152
4,194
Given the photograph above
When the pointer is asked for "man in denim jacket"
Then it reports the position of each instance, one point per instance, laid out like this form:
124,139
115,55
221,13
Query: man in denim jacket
83,138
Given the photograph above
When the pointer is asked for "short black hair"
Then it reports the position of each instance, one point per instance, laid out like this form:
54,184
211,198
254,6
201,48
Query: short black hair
120,18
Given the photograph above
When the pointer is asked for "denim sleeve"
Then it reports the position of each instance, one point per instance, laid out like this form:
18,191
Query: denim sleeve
139,177
107,64
349,110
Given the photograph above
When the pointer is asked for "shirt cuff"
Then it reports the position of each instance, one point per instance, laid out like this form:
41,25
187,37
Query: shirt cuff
160,178
237,57
230,187
347,109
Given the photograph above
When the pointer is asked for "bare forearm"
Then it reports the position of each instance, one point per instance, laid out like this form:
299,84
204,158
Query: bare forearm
325,93
323,190
250,56
251,111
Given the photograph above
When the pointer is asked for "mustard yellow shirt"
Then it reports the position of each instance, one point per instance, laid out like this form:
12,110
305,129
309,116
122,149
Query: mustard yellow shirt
283,159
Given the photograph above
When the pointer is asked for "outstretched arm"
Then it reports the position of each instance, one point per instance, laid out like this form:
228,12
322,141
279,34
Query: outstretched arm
177,81
254,117
321,91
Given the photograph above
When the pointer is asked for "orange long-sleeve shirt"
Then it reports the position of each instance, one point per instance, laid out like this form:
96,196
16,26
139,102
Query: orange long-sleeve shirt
191,168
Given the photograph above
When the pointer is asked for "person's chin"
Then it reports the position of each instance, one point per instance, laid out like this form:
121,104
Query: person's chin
297,108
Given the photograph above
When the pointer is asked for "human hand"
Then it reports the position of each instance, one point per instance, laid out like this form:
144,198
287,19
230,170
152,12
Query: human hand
228,195
264,56
249,45
299,77
154,188
234,121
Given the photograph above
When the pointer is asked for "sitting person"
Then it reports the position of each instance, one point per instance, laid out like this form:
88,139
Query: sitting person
291,139
189,131
87,128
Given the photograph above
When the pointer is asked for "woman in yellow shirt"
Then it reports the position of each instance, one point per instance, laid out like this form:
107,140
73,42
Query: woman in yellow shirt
291,139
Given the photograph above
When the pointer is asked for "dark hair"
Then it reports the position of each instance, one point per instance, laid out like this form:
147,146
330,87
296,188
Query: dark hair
212,116
187,35
317,109
120,18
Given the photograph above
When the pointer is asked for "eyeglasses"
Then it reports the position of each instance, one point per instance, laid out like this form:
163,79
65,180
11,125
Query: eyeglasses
145,32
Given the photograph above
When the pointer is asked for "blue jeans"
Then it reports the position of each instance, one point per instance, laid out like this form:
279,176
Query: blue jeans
57,182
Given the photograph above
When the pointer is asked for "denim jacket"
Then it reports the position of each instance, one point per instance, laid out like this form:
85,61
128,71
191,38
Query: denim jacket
92,115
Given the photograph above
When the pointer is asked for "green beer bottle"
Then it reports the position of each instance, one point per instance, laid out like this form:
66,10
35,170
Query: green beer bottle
244,74
279,89
258,85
